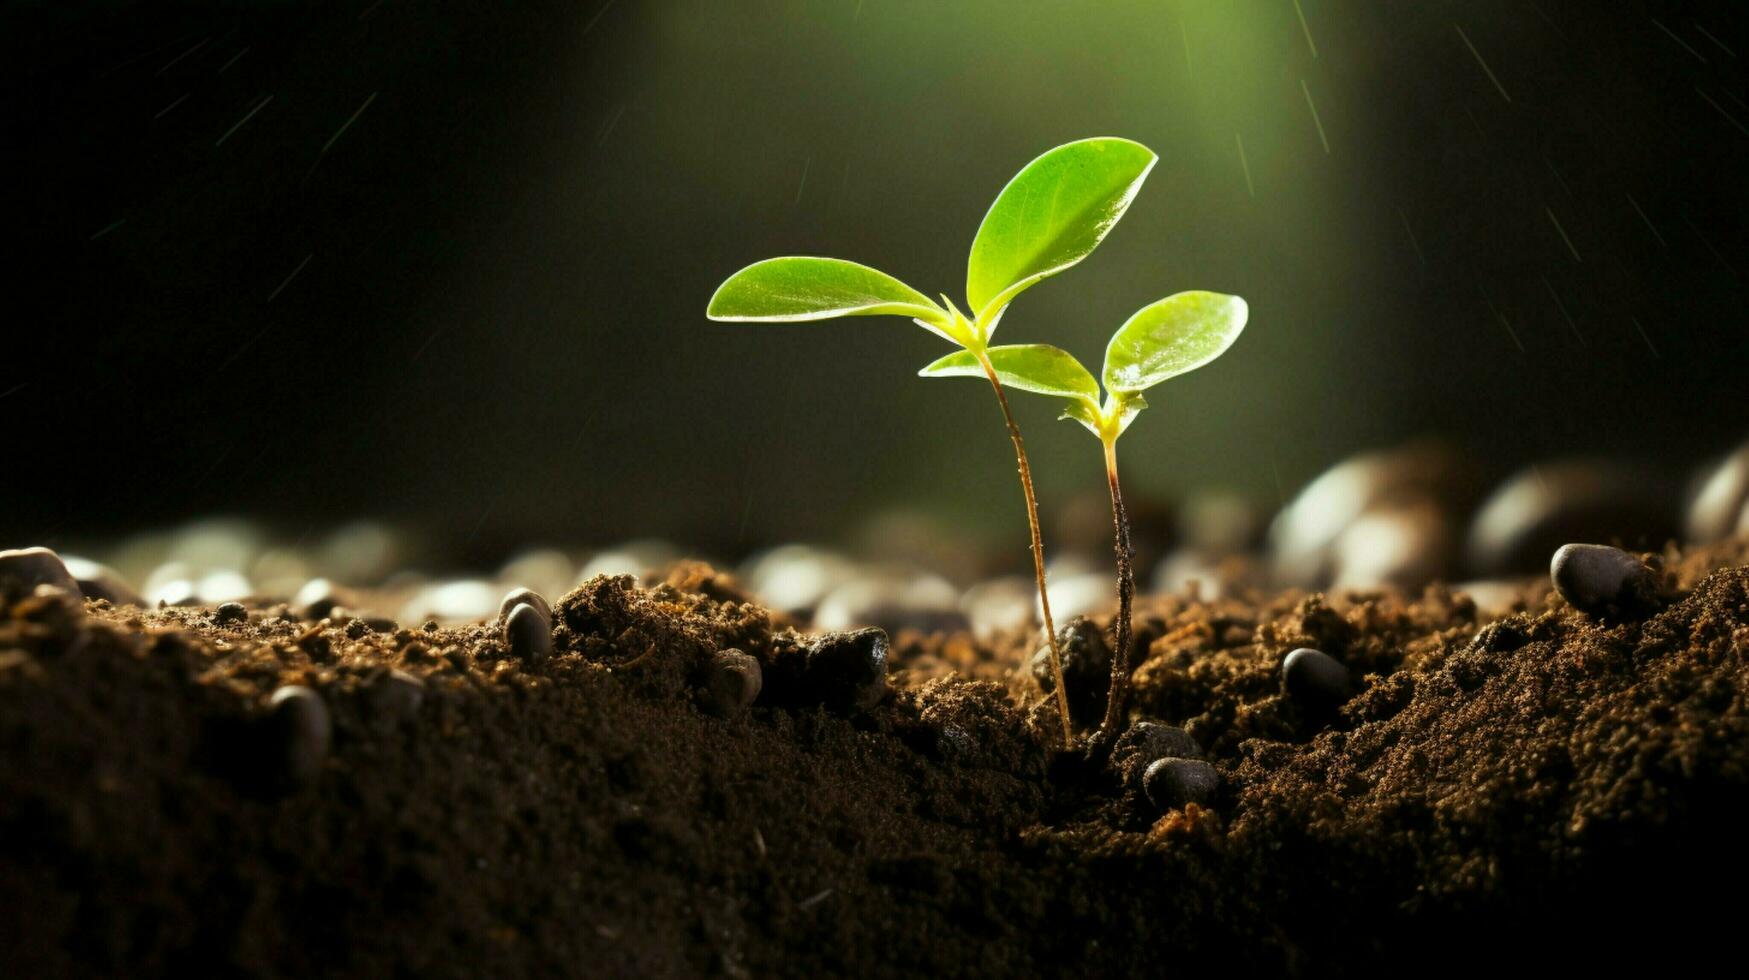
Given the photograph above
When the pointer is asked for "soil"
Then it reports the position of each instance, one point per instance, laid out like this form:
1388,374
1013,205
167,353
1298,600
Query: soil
1540,790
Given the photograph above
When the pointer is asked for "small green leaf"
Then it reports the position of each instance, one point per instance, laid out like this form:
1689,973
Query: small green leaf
1050,216
807,288
1179,333
1038,368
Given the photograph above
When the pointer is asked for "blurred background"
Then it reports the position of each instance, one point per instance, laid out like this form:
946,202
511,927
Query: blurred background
443,267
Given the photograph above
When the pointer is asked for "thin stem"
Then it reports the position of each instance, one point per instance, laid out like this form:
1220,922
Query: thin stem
1038,548
1126,590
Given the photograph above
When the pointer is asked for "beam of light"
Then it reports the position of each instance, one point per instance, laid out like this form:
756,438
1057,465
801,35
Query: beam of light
1648,340
1709,245
234,59
1244,165
1485,69
1728,117
1563,308
173,62
167,109
1558,178
598,15
106,229
346,125
1649,226
1507,324
1414,243
1315,120
288,279
606,129
248,116
1672,35
1709,36
806,165
1307,28
1557,223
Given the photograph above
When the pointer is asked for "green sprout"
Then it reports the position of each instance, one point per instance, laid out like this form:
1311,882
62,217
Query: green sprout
1162,340
1052,214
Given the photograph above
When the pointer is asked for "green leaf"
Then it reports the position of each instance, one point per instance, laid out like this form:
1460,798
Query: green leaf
1177,334
1051,215
1038,368
807,288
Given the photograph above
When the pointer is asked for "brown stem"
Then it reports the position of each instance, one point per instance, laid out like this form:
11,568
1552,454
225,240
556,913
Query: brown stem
1126,590
1038,548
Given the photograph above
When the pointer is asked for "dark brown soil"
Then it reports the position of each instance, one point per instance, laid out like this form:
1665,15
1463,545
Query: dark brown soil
1540,787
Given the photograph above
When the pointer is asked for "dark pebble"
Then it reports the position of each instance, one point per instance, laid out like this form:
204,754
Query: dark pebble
1315,679
528,634
524,597
1175,783
1086,668
731,684
357,628
848,670
22,570
230,612
396,695
1145,742
1601,580
301,730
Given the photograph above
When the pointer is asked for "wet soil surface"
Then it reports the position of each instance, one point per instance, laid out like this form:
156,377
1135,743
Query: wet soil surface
1546,787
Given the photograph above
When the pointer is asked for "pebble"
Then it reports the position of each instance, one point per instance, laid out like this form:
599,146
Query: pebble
460,601
1545,506
1304,534
396,695
731,684
230,612
23,569
1405,546
99,581
1175,783
520,597
998,606
317,599
528,634
301,729
848,670
794,578
1315,679
1146,742
1721,504
892,600
1086,667
544,570
1601,580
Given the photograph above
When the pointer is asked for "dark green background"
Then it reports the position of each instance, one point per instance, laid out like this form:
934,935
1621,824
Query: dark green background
498,334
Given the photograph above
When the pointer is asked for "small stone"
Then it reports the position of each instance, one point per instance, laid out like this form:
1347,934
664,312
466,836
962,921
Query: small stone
22,570
1086,667
317,599
356,629
731,684
528,634
848,670
230,612
300,728
1601,580
1315,679
1175,783
1721,500
524,597
98,581
1146,742
396,695
1548,505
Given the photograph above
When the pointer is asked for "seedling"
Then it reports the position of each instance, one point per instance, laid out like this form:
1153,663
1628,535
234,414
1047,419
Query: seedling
1051,215
1162,340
